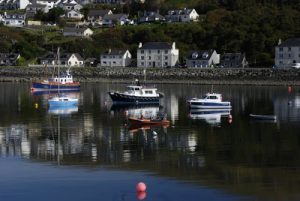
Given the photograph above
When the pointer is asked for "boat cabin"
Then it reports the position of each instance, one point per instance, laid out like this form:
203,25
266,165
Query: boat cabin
142,91
63,78
212,97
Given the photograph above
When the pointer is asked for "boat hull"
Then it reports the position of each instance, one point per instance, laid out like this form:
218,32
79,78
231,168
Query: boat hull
143,121
41,86
263,117
209,105
127,99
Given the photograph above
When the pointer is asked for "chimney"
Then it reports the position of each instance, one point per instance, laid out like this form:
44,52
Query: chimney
279,41
173,45
109,51
140,45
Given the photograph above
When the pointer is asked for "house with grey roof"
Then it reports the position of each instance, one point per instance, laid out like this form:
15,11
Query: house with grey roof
9,59
32,9
14,19
115,19
115,58
202,58
68,6
233,60
157,54
184,15
95,17
287,53
78,32
150,17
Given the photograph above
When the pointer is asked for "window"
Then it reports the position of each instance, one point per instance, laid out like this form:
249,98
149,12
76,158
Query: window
149,63
299,55
289,55
149,57
142,63
142,51
149,51
104,62
289,48
158,51
280,56
142,57
166,57
166,51
114,62
148,92
166,64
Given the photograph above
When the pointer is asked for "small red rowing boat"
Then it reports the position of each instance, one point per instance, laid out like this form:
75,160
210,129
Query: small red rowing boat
146,121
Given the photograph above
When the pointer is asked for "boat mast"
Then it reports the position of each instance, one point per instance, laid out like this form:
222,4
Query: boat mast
58,63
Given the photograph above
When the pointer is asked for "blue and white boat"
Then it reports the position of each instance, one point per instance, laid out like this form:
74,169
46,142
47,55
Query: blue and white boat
209,101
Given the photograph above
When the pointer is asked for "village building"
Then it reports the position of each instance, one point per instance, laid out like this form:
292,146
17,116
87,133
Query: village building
184,15
157,54
95,17
115,58
9,59
49,3
203,59
287,53
13,4
67,59
73,14
233,60
115,19
14,19
78,32
151,17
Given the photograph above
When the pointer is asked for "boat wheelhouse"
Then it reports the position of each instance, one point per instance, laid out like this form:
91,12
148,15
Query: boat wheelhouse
209,101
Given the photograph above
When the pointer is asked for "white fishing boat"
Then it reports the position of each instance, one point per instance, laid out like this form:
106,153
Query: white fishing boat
209,101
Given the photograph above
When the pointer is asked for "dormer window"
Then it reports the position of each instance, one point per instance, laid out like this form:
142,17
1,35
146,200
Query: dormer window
195,55
205,55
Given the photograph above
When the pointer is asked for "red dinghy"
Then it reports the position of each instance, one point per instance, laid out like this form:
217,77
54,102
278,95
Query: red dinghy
148,121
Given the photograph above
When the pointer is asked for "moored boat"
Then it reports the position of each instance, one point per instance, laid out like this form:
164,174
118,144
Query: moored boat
136,94
62,101
160,120
263,117
63,82
209,101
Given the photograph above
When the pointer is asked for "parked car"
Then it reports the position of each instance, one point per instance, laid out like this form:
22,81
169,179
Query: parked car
296,65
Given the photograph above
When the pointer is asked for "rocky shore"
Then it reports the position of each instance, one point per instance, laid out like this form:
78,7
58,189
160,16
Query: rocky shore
247,76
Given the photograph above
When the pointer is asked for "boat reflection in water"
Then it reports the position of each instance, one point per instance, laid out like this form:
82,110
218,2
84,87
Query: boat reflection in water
210,116
62,110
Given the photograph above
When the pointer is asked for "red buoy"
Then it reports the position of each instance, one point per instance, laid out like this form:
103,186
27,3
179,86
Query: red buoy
141,187
289,89
140,195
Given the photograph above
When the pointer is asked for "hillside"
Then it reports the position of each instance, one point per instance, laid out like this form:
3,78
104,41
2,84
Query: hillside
252,26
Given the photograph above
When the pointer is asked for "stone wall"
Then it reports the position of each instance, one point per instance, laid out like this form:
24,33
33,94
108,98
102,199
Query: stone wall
170,75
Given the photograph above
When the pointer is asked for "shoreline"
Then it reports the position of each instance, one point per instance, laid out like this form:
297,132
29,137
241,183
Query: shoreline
247,76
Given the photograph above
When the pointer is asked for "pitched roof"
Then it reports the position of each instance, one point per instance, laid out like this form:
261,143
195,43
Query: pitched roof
36,6
156,45
98,13
115,52
66,56
180,12
200,54
291,42
232,57
114,16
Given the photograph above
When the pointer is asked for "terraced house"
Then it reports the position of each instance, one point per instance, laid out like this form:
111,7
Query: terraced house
287,53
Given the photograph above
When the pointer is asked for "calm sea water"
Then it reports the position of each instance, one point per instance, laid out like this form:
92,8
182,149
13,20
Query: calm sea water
90,152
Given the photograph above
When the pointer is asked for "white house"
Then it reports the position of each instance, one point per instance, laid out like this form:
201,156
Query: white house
73,14
80,32
71,59
157,54
115,58
184,15
203,59
14,19
287,53
70,6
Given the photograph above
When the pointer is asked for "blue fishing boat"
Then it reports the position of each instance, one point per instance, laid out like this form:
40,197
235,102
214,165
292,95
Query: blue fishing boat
63,82
62,101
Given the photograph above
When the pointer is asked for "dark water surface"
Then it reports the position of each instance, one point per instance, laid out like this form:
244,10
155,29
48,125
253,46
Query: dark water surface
90,152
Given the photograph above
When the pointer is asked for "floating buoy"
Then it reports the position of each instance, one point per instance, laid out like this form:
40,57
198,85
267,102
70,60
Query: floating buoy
140,195
289,89
36,105
141,187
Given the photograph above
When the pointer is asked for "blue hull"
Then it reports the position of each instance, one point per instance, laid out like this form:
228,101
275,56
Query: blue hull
206,105
125,99
37,86
62,104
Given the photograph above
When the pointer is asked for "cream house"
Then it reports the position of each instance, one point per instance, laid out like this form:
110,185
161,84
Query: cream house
71,59
113,58
73,14
79,32
157,54
287,53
